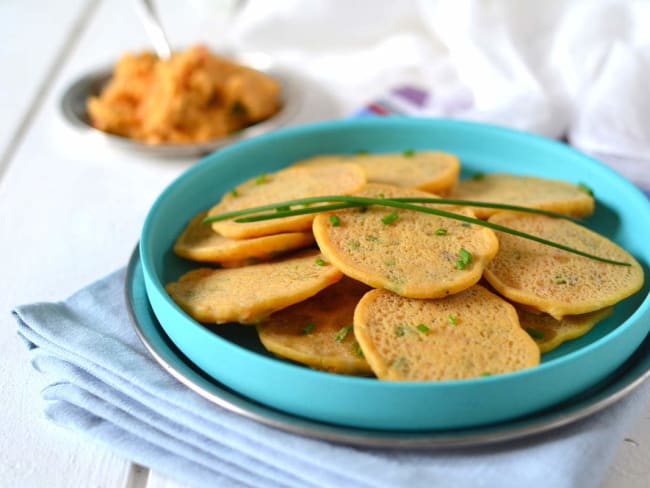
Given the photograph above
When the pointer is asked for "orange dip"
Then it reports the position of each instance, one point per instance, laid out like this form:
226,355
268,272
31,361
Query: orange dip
193,97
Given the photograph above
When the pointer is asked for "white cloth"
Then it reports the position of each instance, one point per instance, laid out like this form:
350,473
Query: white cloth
576,69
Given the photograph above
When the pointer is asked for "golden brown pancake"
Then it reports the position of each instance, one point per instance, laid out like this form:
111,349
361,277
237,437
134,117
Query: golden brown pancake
528,191
472,333
318,332
550,333
415,255
286,184
199,242
251,293
432,171
555,281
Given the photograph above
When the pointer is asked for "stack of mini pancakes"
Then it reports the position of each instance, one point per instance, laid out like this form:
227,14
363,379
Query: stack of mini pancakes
397,293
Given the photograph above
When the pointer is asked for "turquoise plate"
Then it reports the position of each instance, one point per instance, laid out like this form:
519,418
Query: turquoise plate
233,355
634,371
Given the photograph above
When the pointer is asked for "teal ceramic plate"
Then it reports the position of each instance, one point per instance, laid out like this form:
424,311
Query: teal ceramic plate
615,387
233,356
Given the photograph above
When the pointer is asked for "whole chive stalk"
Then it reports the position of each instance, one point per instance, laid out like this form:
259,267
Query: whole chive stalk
347,201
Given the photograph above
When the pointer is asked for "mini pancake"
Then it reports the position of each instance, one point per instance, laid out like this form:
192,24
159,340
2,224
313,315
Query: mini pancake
549,333
287,184
235,295
555,281
528,191
199,242
318,331
416,255
432,171
470,334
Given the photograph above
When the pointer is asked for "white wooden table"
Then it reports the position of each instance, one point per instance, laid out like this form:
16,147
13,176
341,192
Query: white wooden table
71,212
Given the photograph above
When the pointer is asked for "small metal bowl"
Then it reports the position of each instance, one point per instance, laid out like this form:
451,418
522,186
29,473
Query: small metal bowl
73,106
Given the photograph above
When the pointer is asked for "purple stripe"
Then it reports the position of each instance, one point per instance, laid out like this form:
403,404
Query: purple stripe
416,96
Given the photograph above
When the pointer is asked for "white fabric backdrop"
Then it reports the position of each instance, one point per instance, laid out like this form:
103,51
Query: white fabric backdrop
563,68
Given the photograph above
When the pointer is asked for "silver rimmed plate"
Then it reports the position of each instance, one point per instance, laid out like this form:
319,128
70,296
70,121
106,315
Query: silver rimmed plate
73,107
615,387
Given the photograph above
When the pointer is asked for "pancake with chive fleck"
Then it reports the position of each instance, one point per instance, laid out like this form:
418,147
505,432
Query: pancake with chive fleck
470,334
528,191
432,171
550,333
556,281
199,242
318,331
235,295
287,184
411,253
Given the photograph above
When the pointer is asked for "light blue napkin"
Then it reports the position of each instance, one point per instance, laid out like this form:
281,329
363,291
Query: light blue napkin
105,385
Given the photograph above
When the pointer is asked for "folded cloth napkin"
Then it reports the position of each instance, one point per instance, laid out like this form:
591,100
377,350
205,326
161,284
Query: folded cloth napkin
106,385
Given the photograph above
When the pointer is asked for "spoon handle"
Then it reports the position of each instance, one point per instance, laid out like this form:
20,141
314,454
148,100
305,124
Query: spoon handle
154,28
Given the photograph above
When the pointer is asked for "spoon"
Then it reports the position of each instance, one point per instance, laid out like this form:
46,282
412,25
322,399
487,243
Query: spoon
154,29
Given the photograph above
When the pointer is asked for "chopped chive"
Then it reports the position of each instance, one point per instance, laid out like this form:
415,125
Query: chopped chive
559,280
284,208
409,153
234,192
335,221
464,258
342,333
441,232
400,363
534,333
389,218
320,261
586,189
485,373
261,179
308,328
451,318
238,108
356,349
422,328
400,331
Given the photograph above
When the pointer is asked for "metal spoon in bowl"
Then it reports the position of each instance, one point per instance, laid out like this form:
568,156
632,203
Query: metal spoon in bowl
154,29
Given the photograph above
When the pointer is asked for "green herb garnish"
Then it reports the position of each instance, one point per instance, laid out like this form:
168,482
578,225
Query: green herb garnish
334,202
234,192
451,318
308,328
586,189
464,258
320,262
389,218
400,331
342,333
335,221
422,328
409,153
261,179
534,333
441,232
